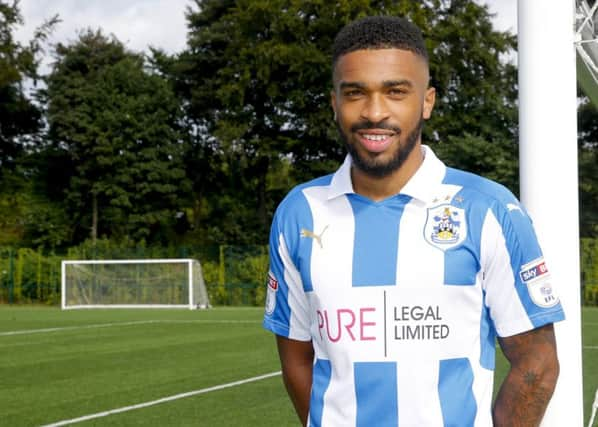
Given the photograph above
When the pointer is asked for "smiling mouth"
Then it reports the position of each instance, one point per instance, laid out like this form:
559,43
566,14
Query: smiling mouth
375,137
375,142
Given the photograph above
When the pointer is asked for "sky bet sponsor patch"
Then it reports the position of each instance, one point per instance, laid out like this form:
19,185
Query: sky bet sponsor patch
537,278
271,295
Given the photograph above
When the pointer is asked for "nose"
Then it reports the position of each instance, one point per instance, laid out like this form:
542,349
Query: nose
375,109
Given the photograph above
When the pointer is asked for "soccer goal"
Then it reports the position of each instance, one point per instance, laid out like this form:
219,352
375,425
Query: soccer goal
139,283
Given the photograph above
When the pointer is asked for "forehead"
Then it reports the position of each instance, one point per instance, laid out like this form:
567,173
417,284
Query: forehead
369,66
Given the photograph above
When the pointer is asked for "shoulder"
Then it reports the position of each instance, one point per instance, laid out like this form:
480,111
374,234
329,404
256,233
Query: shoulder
294,213
294,210
482,188
296,198
492,203
484,196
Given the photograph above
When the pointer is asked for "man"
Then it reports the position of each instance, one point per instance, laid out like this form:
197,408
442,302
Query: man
391,279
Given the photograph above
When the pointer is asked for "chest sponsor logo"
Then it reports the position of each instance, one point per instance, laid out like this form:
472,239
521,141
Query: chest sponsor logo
271,294
445,226
537,278
391,323
409,323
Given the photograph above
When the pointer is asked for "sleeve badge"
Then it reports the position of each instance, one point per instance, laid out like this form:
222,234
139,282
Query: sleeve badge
537,278
271,294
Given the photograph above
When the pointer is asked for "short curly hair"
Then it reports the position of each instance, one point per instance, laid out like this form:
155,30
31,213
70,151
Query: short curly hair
379,32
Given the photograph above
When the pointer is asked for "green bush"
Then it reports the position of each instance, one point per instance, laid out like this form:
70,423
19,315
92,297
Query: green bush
590,295
589,271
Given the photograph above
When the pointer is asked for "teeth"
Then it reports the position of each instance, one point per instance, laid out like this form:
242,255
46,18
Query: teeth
375,137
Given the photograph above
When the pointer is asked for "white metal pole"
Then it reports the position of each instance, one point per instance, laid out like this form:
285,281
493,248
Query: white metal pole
62,285
190,284
549,183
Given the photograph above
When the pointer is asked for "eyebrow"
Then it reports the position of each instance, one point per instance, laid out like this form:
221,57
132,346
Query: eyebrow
402,82
352,85
385,84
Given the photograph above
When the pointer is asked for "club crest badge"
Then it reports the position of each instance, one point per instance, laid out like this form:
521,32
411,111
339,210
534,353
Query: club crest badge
445,226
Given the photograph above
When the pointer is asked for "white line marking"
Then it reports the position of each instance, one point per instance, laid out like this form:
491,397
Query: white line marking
163,400
107,325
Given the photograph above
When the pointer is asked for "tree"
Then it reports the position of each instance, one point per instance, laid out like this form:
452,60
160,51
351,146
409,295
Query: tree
256,75
474,126
115,124
20,117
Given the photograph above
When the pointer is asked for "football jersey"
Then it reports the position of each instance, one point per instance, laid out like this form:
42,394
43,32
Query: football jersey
403,298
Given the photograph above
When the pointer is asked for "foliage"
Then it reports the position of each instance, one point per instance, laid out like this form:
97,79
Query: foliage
11,213
115,124
256,80
28,275
474,125
199,147
20,118
28,217
588,168
589,270
234,275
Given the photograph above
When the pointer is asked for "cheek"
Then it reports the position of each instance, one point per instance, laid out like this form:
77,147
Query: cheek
409,114
345,119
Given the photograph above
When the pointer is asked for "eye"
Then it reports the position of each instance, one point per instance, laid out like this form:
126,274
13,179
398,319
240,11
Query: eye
396,91
352,93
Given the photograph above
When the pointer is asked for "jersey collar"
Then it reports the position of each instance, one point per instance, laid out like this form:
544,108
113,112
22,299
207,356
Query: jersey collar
341,180
422,185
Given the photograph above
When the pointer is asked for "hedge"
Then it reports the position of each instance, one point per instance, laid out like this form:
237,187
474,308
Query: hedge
234,275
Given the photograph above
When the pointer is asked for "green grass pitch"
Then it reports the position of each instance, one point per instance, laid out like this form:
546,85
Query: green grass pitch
60,365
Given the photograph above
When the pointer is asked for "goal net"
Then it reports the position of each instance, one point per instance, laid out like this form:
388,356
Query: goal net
586,44
141,283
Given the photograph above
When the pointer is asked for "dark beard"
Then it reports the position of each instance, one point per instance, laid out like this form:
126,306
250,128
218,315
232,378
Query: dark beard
370,166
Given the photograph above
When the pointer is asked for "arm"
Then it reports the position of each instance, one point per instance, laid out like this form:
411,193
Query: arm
530,382
296,359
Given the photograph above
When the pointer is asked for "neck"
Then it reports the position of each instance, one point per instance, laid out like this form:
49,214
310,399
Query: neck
378,189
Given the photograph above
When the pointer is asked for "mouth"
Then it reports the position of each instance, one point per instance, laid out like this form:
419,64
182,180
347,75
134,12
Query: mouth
375,140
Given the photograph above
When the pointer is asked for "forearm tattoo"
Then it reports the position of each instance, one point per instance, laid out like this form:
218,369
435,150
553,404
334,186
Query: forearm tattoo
529,385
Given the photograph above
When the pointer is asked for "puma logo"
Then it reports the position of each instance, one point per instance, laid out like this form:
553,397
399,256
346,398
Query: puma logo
316,237
513,207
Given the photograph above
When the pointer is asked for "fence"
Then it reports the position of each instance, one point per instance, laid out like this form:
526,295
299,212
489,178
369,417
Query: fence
234,275
589,271
29,276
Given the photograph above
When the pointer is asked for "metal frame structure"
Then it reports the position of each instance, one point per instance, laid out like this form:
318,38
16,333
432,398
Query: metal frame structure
549,174
586,45
191,285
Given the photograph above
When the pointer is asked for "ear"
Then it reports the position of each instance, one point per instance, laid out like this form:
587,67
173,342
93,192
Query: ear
429,100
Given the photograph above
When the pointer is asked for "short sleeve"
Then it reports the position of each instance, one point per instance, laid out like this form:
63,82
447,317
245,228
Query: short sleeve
287,305
519,290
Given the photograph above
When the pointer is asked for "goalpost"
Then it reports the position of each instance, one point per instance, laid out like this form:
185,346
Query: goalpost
549,176
133,283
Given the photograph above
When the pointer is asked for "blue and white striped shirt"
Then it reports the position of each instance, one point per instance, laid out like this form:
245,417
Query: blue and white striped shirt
403,298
